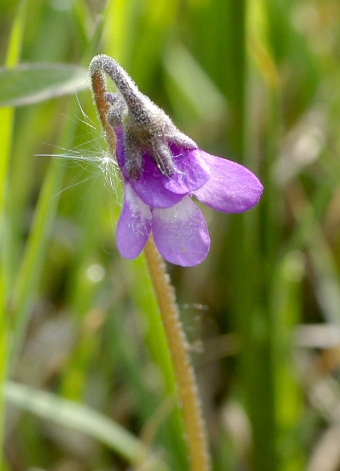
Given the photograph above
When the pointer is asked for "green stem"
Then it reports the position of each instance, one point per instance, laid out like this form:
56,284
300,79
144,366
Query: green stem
253,242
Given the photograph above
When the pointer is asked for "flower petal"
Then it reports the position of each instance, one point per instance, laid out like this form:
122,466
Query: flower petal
231,188
134,225
192,171
150,186
181,234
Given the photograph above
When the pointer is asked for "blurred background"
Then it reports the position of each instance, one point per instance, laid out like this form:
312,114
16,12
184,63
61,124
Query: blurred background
255,81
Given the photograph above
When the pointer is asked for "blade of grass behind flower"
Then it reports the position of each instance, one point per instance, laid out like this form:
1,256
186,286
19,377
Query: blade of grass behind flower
35,249
130,33
254,242
82,419
189,82
6,130
286,306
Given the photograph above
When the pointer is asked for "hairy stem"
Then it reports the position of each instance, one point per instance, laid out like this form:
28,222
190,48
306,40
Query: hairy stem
103,106
187,388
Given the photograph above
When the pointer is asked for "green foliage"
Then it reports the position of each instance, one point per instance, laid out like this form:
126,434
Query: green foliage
256,81
81,419
31,83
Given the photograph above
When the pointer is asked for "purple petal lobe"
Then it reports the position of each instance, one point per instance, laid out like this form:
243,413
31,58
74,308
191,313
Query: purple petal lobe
192,171
150,186
181,234
134,225
231,188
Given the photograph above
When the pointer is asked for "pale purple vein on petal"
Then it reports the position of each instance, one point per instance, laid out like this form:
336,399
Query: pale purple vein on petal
181,234
134,225
231,188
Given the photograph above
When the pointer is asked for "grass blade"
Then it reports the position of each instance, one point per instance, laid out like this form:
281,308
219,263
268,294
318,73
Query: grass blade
82,419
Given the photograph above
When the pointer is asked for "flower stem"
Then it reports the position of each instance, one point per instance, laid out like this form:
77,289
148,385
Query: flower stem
187,388
185,377
99,90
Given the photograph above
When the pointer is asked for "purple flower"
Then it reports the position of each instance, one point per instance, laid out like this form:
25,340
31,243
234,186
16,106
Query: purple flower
162,170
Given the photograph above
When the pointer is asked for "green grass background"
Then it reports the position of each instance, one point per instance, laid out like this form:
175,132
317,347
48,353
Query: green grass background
83,360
